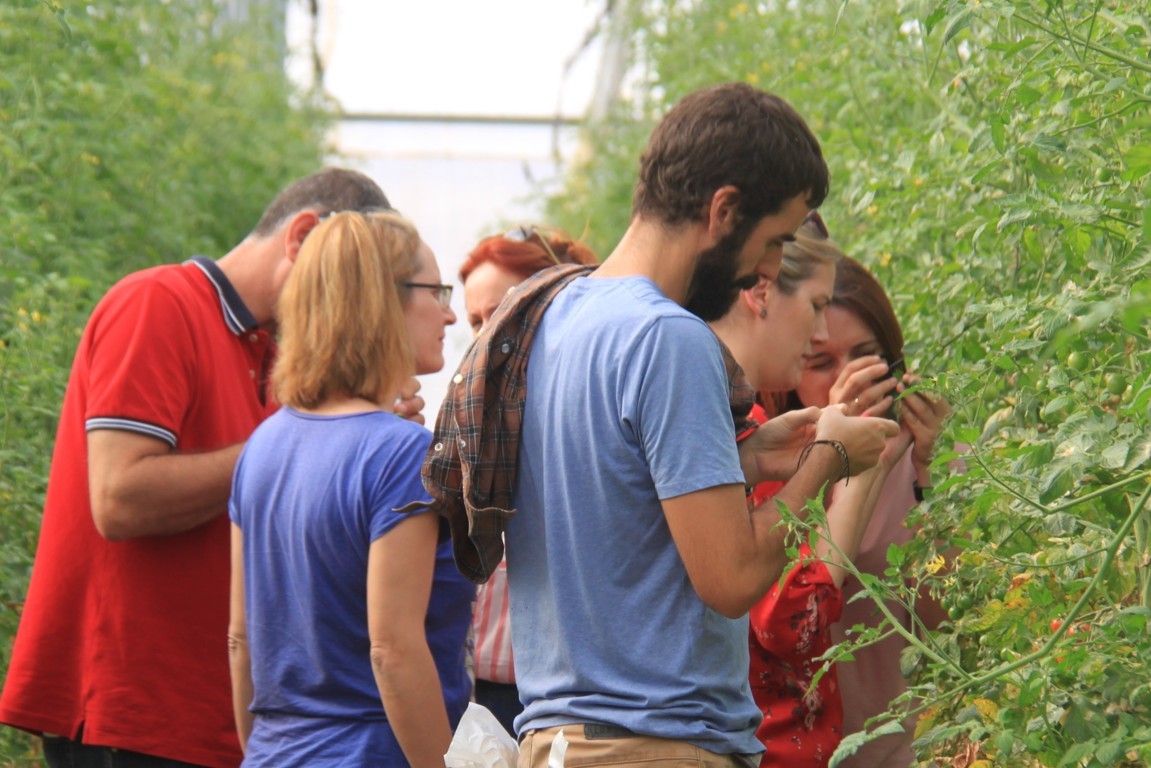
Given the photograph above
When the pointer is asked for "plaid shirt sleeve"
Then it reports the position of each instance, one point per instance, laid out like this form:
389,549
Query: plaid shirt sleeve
470,469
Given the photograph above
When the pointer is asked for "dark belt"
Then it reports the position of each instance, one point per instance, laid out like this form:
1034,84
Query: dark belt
597,731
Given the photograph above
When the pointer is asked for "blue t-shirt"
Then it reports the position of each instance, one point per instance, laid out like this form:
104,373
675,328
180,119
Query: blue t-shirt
311,493
627,404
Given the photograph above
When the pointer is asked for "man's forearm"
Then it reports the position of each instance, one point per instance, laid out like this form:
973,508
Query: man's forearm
158,494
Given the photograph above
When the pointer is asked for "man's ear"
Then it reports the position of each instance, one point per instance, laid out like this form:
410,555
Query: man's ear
298,228
723,212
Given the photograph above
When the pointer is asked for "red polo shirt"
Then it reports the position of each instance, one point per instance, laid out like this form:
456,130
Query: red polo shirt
127,640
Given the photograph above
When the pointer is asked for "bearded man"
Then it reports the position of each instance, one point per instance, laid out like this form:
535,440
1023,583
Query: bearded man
632,555
592,424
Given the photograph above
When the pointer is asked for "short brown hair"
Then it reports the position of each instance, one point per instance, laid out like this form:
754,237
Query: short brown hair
325,191
729,134
342,327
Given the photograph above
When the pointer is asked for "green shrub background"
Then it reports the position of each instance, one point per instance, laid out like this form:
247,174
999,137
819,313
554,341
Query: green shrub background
131,134
990,162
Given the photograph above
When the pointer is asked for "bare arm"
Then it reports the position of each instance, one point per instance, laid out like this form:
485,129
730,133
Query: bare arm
924,415
851,506
139,487
733,556
400,569
240,659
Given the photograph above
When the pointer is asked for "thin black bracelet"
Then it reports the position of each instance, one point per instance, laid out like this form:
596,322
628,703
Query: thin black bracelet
838,446
918,490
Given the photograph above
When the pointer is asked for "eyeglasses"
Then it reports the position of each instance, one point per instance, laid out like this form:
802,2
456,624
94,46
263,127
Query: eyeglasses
523,234
818,224
443,292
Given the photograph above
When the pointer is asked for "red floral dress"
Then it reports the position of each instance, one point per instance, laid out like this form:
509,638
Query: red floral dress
790,628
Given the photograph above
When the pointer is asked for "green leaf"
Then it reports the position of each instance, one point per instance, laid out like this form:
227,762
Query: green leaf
895,555
956,24
1115,455
1061,524
1056,484
1055,405
851,743
1025,95
1110,752
1137,160
934,17
909,659
998,133
1077,752
988,616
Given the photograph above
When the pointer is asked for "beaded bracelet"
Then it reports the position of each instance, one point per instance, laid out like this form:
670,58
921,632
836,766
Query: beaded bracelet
838,446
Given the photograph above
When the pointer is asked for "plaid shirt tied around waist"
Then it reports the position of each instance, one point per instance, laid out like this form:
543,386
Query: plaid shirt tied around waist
470,469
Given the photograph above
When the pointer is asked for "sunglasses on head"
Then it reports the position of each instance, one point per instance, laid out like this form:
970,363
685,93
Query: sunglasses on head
525,233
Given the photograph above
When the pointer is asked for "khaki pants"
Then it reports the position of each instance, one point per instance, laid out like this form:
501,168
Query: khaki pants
640,751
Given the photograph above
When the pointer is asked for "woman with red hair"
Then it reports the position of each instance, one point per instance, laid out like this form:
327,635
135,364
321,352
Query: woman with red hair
494,267
501,262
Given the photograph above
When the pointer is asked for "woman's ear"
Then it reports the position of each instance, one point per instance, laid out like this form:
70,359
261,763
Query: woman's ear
756,298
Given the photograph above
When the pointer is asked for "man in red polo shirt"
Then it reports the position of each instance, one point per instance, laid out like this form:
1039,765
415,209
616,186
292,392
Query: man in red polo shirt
121,656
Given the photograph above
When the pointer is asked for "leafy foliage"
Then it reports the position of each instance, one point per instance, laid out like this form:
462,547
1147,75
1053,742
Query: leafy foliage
991,164
130,134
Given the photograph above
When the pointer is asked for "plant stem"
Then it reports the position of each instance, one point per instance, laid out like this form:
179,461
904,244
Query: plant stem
1071,37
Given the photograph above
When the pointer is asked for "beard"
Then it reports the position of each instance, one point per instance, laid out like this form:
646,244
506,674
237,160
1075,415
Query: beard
716,282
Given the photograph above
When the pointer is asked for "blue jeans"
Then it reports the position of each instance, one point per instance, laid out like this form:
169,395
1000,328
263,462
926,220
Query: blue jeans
65,753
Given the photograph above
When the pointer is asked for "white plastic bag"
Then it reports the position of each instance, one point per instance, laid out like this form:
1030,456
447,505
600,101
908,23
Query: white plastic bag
558,751
481,742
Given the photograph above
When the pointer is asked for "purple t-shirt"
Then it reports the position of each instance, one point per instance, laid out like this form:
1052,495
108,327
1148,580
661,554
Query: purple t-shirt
311,493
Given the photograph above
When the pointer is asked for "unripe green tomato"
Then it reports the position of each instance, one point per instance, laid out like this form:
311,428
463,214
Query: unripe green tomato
1077,361
1116,383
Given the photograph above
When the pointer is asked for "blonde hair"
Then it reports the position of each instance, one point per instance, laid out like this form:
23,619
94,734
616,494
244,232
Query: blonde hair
341,313
803,255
